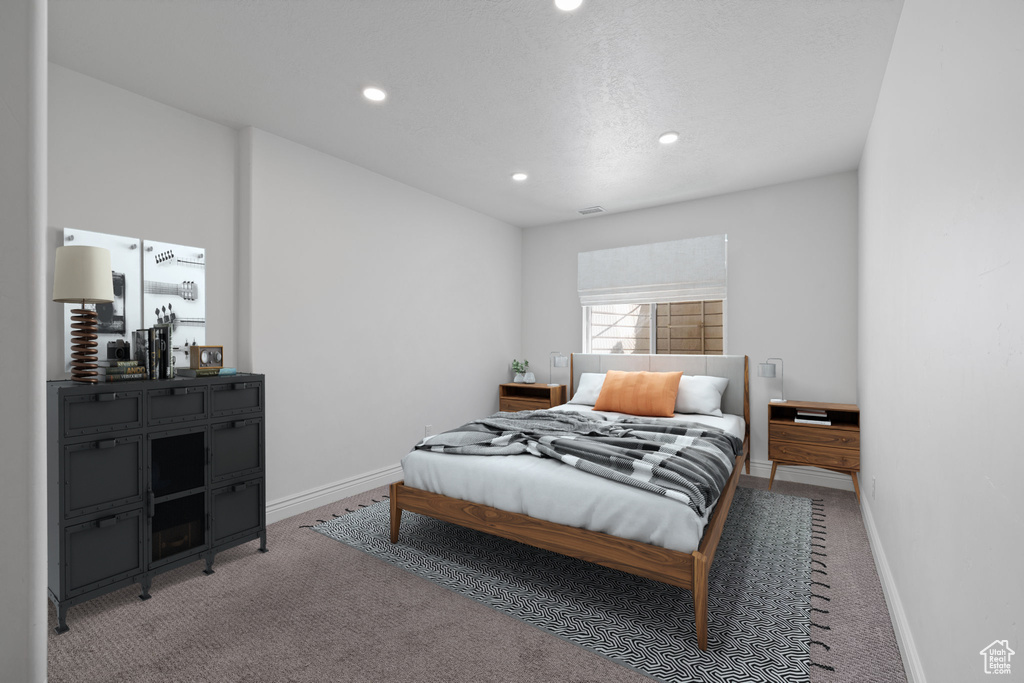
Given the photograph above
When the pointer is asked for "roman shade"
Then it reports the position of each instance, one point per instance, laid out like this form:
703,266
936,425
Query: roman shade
665,272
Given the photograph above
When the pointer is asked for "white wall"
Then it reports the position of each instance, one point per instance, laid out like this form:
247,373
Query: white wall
942,331
123,164
22,302
792,286
404,309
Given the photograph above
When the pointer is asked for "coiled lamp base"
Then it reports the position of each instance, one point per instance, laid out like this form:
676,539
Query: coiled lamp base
83,346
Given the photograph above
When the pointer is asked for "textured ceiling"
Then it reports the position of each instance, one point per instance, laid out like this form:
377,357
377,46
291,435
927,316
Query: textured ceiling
761,91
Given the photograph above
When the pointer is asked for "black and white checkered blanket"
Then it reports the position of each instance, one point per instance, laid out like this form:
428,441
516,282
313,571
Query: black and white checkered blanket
687,462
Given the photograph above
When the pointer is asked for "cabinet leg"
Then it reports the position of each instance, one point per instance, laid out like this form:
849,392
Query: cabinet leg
775,465
856,487
62,618
146,583
209,565
263,541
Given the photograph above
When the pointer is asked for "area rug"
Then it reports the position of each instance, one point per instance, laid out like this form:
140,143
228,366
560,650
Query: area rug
758,597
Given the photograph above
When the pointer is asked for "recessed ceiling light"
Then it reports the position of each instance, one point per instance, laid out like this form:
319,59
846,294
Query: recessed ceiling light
568,5
374,94
668,138
519,177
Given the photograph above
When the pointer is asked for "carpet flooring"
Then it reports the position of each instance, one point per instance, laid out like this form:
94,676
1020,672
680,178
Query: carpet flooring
313,609
759,590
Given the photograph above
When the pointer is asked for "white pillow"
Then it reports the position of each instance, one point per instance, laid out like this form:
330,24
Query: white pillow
589,388
701,395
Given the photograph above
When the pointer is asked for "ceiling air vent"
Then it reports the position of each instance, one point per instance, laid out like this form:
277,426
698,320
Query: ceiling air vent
590,210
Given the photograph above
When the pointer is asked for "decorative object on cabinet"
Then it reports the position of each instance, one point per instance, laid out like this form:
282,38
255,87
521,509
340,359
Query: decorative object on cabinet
557,361
205,357
514,397
82,275
767,369
149,477
825,435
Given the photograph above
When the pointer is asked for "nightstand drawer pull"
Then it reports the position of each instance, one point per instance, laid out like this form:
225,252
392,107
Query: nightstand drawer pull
107,397
240,423
240,385
107,521
179,391
109,443
238,487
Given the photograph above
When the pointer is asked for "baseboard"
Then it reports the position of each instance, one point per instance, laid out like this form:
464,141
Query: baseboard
802,475
904,638
322,495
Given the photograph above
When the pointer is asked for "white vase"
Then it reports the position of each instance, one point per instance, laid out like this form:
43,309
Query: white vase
519,378
529,378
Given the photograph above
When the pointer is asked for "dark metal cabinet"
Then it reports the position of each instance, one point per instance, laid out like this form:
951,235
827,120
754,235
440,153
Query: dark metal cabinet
148,477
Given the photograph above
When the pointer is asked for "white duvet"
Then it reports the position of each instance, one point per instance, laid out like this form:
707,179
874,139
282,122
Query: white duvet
549,490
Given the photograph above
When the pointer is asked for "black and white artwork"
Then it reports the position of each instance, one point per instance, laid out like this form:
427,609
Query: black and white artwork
174,293
116,320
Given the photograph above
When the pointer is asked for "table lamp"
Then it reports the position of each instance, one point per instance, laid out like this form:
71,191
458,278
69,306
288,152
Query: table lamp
82,275
767,369
557,361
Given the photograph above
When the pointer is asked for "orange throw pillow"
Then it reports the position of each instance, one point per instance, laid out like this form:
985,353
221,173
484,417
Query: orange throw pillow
652,394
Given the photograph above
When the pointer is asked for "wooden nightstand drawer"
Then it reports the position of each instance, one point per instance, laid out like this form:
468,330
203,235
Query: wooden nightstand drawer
814,434
511,405
809,454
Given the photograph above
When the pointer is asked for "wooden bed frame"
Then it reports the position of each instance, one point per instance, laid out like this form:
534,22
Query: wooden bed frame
687,570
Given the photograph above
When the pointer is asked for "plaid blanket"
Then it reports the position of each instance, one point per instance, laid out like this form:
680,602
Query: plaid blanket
687,462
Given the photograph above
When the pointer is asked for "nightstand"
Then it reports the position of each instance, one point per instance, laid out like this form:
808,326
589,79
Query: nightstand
832,445
516,396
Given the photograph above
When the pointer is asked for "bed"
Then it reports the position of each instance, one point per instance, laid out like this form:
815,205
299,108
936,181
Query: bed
679,553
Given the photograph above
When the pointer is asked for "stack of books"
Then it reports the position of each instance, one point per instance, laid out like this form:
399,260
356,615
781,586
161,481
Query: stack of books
154,350
120,370
812,416
206,372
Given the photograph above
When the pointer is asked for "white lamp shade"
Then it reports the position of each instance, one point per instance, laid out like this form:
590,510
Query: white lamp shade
82,275
766,369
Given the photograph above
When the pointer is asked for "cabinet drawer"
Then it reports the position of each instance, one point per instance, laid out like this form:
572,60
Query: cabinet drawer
102,411
176,404
237,510
102,551
810,454
511,405
236,447
812,434
100,475
236,398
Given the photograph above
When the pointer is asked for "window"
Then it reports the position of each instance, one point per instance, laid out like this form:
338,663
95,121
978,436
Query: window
655,298
618,328
695,327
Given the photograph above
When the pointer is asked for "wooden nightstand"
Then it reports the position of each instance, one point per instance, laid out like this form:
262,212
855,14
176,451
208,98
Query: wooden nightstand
834,446
514,397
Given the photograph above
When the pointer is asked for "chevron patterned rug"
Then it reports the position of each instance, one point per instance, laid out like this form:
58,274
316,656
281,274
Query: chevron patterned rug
758,602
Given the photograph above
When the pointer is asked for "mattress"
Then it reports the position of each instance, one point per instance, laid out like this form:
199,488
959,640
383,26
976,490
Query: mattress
550,490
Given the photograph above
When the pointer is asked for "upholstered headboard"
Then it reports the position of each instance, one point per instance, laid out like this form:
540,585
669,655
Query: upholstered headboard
735,400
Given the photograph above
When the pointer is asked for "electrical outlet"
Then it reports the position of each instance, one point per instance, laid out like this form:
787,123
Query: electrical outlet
428,430
872,488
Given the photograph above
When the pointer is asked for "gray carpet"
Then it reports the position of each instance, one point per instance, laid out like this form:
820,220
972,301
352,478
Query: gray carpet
313,609
759,590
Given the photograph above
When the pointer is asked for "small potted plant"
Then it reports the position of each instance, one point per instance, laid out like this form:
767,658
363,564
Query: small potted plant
522,370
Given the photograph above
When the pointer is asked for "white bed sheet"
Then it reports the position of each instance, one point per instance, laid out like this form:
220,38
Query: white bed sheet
550,490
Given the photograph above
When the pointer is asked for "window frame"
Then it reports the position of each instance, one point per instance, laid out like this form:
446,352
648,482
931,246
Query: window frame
653,328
